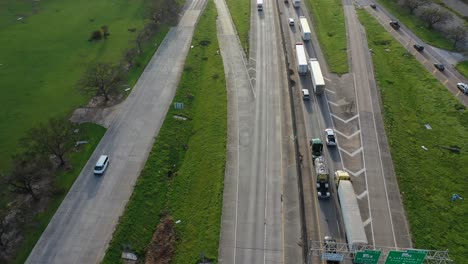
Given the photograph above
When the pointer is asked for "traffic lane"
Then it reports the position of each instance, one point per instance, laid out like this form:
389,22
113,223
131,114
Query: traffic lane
449,77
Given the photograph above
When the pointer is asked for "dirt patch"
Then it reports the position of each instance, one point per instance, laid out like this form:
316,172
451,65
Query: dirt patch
162,246
97,111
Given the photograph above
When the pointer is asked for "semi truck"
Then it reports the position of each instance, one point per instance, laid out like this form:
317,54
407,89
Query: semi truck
316,147
304,27
260,5
323,178
316,75
296,3
301,59
354,228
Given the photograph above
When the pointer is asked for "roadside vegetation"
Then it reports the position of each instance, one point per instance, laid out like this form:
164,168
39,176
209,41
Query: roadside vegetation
462,68
240,13
38,184
40,72
183,176
420,18
412,98
330,27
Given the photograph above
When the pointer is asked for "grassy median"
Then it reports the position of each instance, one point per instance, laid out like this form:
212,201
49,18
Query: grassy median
417,26
411,98
185,169
331,31
462,68
63,182
240,13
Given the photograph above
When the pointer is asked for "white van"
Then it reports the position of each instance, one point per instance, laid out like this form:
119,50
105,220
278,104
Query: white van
305,94
101,165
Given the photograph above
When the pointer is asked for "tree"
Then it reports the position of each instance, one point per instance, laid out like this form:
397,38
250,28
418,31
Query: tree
457,34
433,15
102,79
56,137
28,170
413,4
129,56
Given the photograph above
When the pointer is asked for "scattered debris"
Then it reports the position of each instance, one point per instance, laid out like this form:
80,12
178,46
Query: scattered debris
428,126
179,105
178,222
180,117
453,149
456,197
79,143
191,47
423,147
19,18
129,256
76,131
128,89
162,245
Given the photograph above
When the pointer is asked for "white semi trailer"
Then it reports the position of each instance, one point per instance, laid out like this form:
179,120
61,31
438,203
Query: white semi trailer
316,75
301,58
354,228
304,27
260,5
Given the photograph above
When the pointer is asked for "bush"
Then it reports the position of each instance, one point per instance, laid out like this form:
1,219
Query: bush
96,35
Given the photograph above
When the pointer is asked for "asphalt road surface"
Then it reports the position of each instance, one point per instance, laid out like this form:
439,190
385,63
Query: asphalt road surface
350,105
260,221
83,225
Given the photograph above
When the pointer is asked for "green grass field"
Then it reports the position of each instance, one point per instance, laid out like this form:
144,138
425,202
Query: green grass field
411,98
45,54
462,67
63,180
240,13
196,150
331,32
417,26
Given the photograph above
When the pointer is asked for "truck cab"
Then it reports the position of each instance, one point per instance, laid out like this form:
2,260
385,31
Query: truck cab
316,147
341,175
323,178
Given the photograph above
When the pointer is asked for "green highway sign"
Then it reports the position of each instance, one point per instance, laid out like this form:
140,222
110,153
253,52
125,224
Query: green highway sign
367,257
406,257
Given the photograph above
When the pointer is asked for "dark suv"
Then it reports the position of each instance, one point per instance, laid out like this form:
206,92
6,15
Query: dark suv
439,66
395,24
418,47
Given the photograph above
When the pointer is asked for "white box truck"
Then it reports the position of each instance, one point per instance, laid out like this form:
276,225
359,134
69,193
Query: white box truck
296,3
301,59
316,75
304,27
354,228
260,5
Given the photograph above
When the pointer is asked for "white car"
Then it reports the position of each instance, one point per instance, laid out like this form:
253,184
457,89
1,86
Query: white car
101,165
305,94
291,21
330,137
463,87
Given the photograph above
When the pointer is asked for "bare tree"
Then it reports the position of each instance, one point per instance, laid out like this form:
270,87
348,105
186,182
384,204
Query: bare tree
412,5
102,79
457,34
56,137
434,15
28,170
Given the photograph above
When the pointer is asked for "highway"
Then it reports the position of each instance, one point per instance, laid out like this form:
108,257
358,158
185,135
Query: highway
350,105
82,227
260,220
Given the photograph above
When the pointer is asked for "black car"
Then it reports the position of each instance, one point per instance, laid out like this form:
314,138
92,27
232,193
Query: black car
439,66
373,6
395,24
418,47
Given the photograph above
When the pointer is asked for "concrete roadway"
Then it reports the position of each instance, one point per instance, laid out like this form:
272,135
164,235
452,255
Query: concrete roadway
449,77
260,220
362,148
83,225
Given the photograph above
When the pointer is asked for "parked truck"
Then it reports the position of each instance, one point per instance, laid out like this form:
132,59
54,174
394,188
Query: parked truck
354,228
260,5
301,59
323,178
304,27
316,75
296,3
